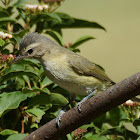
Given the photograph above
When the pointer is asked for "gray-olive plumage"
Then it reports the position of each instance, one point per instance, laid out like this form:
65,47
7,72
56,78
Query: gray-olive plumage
69,70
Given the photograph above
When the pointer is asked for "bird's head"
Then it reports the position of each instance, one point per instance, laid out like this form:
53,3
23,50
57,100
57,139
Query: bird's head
33,45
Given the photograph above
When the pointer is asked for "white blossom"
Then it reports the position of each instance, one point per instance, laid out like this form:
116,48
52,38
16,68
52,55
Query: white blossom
129,102
36,7
45,6
40,8
5,35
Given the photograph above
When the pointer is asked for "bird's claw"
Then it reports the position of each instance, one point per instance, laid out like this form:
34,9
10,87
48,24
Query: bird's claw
84,99
79,106
58,119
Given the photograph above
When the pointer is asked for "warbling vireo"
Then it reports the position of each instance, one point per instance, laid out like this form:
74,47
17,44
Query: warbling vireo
67,69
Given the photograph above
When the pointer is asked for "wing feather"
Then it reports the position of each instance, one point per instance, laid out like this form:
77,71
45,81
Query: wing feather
82,66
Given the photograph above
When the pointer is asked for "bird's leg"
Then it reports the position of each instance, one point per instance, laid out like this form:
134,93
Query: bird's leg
61,112
86,98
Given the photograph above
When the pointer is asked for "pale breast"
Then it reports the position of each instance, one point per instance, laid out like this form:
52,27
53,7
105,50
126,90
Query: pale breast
57,69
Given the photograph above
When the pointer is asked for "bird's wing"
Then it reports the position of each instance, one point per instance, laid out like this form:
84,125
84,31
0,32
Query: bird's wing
83,66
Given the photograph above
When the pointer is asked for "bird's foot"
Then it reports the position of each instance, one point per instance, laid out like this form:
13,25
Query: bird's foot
61,112
85,98
79,106
58,119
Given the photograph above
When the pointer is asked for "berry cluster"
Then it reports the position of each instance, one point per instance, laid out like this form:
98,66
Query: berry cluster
6,57
78,133
131,103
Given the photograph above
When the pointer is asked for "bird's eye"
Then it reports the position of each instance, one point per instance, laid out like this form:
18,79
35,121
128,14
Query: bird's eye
30,51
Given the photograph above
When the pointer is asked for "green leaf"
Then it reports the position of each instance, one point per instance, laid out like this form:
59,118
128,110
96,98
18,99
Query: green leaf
94,137
20,83
39,18
22,14
113,131
6,12
69,136
36,112
63,15
120,131
7,19
32,62
56,36
29,68
138,130
15,74
36,89
26,78
81,40
8,132
100,120
9,10
45,90
16,39
44,21
18,3
41,71
55,16
69,22
2,42
17,137
5,51
15,68
138,138
3,14
29,94
18,70
18,30
10,100
53,98
115,116
87,125
34,125
3,86
75,50
58,99
136,123
46,82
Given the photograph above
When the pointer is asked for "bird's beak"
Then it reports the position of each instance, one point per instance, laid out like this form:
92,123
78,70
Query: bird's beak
19,57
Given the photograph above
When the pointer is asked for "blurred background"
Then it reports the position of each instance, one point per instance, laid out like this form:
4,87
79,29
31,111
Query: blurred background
117,49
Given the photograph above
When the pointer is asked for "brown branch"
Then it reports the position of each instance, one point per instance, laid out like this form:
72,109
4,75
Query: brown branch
91,109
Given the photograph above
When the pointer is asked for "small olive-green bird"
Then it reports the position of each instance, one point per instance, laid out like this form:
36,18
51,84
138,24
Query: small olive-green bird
67,69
